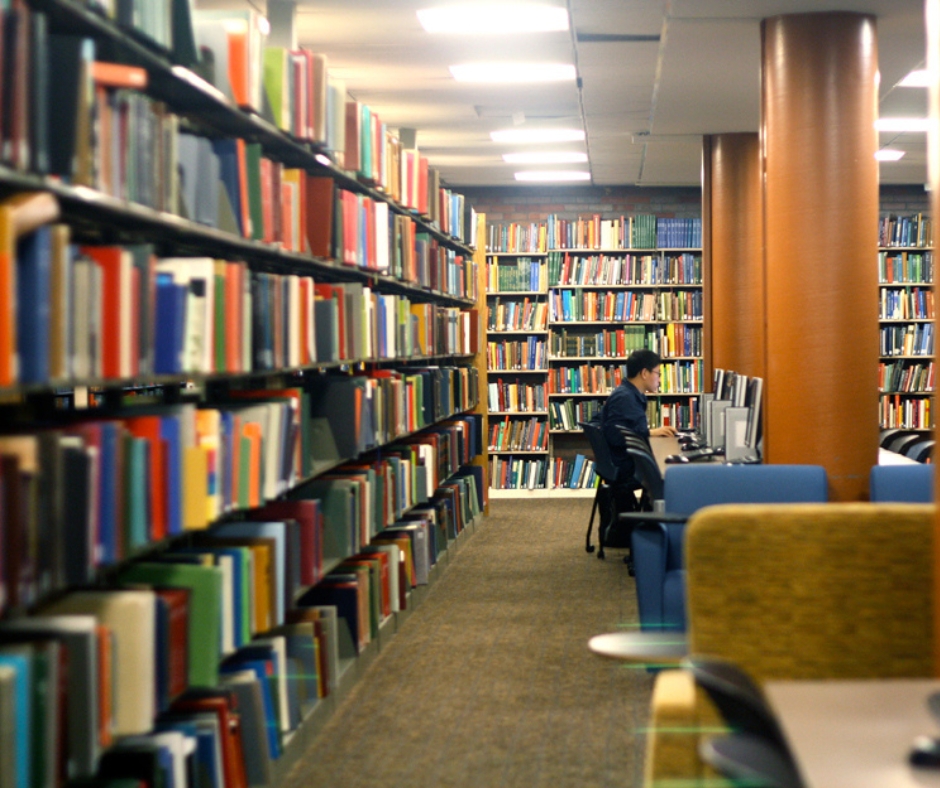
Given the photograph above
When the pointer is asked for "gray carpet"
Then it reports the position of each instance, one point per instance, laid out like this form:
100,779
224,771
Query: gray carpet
490,682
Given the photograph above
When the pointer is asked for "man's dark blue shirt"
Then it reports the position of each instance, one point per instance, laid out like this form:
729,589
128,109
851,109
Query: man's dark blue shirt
626,406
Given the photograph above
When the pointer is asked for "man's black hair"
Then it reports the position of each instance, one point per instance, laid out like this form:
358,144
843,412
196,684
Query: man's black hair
639,360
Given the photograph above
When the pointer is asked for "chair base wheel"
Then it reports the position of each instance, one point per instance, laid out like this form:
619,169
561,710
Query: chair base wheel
589,548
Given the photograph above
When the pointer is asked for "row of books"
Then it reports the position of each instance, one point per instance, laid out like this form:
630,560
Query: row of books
566,414
906,377
522,274
518,473
574,474
904,267
906,412
676,377
906,303
93,491
625,305
514,315
96,679
640,231
515,237
914,230
294,89
516,395
568,268
670,341
134,653
519,435
916,339
528,354
116,312
683,415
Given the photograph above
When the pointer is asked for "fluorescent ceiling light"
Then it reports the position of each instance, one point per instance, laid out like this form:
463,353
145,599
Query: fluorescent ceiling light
916,79
558,157
523,136
887,154
513,72
548,175
902,124
494,18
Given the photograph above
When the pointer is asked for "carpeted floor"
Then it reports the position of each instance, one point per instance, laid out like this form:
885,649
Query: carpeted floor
490,682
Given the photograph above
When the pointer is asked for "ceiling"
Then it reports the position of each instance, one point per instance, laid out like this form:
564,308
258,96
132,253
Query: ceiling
668,72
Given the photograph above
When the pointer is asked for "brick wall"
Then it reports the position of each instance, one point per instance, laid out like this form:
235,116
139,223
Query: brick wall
533,204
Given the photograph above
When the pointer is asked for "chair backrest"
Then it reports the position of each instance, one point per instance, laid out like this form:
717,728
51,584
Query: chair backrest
645,468
603,462
922,451
901,483
813,591
901,442
690,487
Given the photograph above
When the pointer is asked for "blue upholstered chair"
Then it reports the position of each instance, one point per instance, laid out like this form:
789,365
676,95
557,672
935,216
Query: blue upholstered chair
657,546
901,483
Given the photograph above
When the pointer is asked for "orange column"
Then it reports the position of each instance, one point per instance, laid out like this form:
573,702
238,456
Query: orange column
933,178
733,254
819,105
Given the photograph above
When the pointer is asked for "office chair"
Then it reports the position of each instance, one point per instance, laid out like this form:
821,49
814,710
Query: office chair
657,543
922,451
751,761
900,442
606,488
646,469
888,435
901,483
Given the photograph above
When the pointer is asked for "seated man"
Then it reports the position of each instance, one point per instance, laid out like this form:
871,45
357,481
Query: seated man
626,407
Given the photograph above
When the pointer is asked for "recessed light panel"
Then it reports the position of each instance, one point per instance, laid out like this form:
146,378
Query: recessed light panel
902,124
887,154
536,136
494,18
559,175
916,79
557,157
513,72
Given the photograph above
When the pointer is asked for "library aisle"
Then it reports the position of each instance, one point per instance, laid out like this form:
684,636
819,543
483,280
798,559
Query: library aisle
490,681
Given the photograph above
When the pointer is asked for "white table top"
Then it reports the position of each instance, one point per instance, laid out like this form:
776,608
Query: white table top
856,734
657,647
886,457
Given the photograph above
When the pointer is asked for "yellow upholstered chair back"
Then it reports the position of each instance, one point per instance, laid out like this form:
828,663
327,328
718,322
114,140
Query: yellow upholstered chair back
808,591
794,591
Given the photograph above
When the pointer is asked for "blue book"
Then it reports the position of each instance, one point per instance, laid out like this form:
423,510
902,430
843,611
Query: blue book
170,435
108,486
171,317
576,471
227,152
19,659
33,272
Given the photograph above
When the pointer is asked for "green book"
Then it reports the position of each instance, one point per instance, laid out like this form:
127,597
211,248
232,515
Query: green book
255,204
205,611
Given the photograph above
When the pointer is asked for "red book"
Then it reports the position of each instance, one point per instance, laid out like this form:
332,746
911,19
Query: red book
177,600
222,704
267,200
320,200
422,185
117,306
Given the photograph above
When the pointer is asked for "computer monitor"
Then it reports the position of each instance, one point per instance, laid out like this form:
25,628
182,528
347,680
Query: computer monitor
704,428
736,420
755,394
717,438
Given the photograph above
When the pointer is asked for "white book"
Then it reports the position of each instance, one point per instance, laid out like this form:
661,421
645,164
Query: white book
198,275
278,644
294,322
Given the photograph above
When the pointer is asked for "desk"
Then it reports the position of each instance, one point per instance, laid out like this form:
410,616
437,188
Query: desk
662,447
856,734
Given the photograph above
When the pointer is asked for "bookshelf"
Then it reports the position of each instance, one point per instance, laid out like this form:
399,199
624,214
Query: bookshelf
238,402
601,304
906,313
